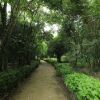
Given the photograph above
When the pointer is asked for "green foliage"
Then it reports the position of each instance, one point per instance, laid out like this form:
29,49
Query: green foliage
83,86
82,63
52,61
10,79
63,69
54,4
79,34
42,49
57,47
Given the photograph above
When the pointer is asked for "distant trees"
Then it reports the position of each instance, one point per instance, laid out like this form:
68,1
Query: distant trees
57,47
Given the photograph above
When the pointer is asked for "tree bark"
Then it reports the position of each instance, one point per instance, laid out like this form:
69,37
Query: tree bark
59,59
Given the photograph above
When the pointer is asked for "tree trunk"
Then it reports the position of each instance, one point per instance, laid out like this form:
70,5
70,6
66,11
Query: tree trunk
59,59
3,59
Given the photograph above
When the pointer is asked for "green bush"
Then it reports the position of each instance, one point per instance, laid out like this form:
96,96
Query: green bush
63,69
51,61
82,63
84,87
10,79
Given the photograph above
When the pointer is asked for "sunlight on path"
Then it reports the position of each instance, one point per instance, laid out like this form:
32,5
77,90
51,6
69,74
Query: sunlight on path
42,85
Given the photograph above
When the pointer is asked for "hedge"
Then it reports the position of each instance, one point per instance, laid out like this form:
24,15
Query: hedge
51,61
84,87
63,69
10,79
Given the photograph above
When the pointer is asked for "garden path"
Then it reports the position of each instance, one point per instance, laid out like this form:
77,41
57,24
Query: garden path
43,84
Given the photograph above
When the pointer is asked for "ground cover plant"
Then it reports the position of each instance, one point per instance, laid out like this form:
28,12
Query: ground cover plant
83,86
12,77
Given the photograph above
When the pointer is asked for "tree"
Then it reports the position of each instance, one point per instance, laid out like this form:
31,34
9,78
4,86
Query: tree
57,47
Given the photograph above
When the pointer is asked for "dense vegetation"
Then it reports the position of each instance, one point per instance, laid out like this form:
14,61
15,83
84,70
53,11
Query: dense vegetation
22,31
81,85
10,79
80,32
27,33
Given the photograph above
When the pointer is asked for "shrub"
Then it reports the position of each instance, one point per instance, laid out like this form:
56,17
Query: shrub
63,69
84,87
82,63
10,79
51,61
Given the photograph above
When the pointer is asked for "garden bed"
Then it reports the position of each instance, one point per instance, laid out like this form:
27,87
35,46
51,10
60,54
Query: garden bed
10,79
83,86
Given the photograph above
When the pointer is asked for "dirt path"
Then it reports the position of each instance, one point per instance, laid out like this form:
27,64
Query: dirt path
43,84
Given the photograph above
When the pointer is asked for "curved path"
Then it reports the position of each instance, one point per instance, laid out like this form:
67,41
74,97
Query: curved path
43,84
